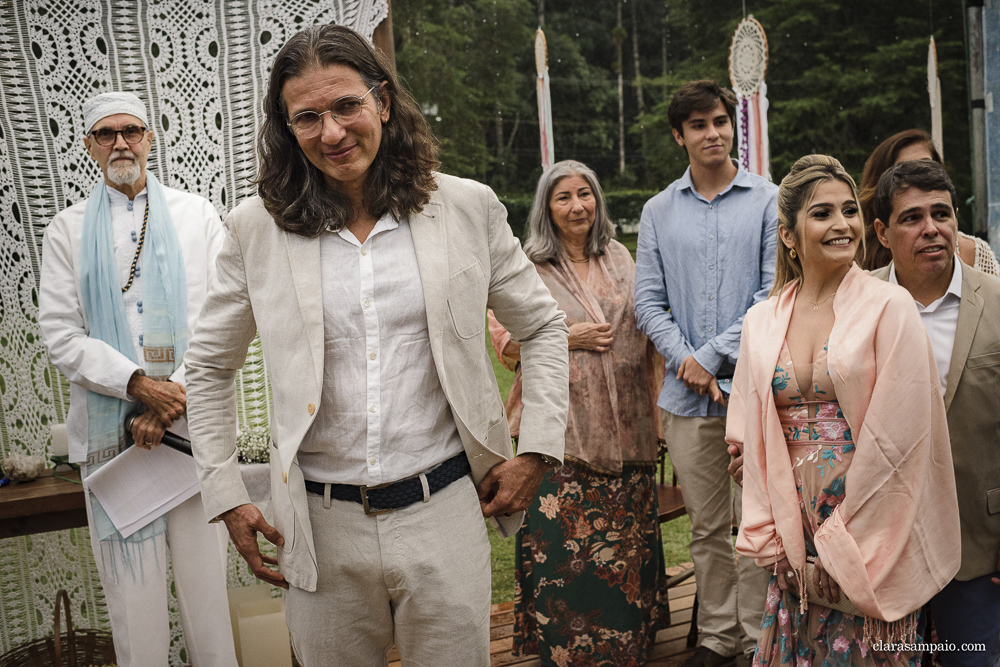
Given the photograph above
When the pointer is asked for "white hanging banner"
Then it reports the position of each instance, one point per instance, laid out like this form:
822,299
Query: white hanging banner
747,67
544,100
934,91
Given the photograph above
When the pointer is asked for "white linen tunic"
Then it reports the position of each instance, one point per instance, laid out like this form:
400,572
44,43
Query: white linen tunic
92,364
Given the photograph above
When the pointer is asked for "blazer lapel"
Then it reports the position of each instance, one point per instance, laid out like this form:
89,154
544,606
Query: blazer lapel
304,264
969,313
430,242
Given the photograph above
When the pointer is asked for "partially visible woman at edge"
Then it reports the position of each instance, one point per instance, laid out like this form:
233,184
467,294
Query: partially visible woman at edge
590,587
837,407
902,146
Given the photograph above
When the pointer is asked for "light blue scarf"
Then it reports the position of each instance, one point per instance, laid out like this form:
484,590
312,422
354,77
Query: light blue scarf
164,325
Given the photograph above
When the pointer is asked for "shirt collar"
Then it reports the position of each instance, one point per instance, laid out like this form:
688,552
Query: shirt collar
118,195
743,179
385,223
954,287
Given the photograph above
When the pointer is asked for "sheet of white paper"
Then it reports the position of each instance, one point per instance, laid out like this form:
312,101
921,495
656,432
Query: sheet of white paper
140,485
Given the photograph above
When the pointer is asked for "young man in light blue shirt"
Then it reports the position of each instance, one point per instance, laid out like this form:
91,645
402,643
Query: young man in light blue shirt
706,254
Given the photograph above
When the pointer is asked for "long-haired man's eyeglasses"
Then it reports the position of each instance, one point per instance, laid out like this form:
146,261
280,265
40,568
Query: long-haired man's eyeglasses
345,110
132,134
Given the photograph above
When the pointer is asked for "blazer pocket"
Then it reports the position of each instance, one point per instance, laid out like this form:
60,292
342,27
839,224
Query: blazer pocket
993,500
981,360
467,301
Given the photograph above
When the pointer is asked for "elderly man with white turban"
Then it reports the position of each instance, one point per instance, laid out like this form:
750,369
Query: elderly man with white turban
124,274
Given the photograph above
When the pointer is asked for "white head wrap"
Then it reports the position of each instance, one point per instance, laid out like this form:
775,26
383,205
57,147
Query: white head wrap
109,104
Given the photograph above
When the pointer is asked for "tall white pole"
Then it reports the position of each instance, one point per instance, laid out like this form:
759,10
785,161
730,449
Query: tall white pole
977,96
934,92
544,100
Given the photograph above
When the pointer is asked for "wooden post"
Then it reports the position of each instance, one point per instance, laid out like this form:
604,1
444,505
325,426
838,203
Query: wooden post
382,37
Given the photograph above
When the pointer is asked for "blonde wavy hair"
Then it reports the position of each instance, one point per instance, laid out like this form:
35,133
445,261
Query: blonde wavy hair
794,193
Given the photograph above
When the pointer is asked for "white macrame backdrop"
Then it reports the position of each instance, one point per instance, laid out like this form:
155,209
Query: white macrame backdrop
201,67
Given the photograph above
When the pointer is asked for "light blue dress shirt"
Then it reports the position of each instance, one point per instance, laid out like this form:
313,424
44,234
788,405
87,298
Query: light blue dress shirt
699,266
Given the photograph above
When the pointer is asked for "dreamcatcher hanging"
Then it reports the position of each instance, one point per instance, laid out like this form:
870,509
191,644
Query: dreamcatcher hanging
747,66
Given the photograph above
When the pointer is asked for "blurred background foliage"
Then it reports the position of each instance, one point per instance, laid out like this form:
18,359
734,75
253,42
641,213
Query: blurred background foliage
843,75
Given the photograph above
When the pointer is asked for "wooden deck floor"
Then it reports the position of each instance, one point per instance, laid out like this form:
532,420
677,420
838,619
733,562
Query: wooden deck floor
670,649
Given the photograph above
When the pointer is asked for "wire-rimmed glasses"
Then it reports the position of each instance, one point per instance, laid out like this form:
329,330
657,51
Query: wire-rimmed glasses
345,110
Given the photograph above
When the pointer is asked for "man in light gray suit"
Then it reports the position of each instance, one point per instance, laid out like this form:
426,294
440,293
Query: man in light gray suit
915,206
367,276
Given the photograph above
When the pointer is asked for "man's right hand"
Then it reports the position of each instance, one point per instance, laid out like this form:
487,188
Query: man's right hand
147,430
166,400
695,377
244,522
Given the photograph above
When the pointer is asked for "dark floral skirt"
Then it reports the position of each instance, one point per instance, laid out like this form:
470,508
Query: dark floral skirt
590,587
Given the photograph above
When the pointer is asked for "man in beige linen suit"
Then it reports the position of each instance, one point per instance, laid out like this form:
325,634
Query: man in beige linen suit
367,276
915,205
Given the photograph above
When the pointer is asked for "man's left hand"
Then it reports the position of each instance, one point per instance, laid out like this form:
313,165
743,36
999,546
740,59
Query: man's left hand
147,430
511,486
695,377
736,465
996,579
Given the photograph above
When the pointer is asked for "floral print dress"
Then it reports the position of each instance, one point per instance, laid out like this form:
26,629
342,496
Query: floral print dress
590,588
820,447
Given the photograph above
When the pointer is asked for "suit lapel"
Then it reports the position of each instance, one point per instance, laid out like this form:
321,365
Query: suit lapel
430,242
969,313
304,264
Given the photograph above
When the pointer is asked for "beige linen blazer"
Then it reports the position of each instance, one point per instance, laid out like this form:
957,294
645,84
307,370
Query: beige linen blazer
269,282
972,400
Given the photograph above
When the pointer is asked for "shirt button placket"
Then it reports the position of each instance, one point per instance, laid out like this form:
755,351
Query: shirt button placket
373,369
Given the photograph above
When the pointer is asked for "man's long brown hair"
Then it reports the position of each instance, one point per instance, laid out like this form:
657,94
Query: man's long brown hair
294,192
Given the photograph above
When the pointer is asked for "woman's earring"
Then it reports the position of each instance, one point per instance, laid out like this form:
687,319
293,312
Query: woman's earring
792,253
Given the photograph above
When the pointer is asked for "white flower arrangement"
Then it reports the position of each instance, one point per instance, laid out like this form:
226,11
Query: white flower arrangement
254,445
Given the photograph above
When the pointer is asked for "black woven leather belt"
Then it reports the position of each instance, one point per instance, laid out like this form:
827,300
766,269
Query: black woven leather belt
401,493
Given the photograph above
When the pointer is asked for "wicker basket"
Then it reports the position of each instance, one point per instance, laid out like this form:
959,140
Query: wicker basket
75,648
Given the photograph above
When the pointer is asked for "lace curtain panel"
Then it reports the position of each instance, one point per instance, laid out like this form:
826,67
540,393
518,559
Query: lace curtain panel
201,67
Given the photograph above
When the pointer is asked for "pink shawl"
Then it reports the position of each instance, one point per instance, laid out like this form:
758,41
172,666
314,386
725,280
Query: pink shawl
611,408
894,541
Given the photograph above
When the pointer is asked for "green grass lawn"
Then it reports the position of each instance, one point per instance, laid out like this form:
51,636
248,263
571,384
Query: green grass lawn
676,533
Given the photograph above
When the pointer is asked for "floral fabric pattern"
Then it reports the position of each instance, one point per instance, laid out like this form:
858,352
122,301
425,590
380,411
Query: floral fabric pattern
820,447
590,587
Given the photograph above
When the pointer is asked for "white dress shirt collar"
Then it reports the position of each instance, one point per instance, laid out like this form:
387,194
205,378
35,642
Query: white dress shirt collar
940,319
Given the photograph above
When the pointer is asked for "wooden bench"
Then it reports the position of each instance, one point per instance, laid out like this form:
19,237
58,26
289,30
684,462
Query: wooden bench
43,504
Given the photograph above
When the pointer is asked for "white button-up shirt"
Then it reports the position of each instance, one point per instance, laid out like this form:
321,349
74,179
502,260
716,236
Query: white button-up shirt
126,221
382,415
89,363
940,318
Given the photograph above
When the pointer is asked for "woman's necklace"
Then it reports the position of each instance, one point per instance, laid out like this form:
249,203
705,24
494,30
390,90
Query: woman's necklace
578,261
817,304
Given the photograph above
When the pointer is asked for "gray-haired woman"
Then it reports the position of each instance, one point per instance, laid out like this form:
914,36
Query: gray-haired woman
590,586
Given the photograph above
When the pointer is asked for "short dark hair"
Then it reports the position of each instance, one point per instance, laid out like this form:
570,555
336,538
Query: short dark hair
701,96
921,174
883,157
293,191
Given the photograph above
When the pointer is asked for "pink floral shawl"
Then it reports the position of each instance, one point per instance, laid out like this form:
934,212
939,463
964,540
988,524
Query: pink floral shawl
894,541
